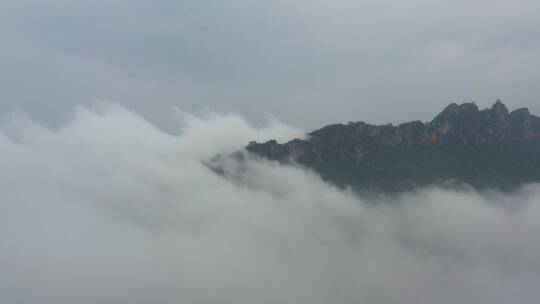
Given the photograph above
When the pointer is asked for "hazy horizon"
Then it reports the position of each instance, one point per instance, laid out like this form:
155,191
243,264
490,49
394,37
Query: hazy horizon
309,63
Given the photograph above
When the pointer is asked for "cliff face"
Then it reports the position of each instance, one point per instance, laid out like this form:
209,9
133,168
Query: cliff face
394,158
466,125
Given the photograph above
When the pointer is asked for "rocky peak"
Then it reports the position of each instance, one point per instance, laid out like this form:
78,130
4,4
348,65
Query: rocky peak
467,125
455,113
455,110
499,116
499,108
521,113
525,125
453,122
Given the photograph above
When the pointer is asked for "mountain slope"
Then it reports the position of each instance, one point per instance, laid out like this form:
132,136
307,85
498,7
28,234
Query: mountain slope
491,148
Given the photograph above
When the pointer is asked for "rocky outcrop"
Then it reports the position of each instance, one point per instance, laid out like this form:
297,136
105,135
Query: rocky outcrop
463,125
484,148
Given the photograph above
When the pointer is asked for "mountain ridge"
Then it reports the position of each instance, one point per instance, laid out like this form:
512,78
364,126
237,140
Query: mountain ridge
502,147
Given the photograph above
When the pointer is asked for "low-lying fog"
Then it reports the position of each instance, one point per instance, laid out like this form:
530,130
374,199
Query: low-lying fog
110,209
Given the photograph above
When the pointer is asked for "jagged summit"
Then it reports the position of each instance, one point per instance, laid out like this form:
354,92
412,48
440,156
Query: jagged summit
462,124
467,125
499,107
462,142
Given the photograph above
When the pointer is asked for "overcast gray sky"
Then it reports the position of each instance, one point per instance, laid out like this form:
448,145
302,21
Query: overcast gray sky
306,62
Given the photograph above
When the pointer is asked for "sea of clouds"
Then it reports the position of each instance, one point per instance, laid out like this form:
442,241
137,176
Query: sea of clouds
110,209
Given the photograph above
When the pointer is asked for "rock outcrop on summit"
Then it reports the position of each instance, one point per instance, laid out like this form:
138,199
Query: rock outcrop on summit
490,148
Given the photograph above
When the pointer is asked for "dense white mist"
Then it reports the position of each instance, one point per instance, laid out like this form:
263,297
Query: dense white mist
110,209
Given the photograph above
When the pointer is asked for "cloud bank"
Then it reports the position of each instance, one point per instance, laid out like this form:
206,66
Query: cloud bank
110,209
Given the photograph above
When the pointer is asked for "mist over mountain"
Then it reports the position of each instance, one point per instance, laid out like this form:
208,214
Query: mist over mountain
158,152
489,148
110,209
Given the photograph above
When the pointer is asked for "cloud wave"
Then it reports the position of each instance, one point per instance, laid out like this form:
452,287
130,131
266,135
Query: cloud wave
110,209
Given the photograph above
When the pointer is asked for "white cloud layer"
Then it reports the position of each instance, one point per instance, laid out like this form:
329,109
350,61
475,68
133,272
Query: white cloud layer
110,209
